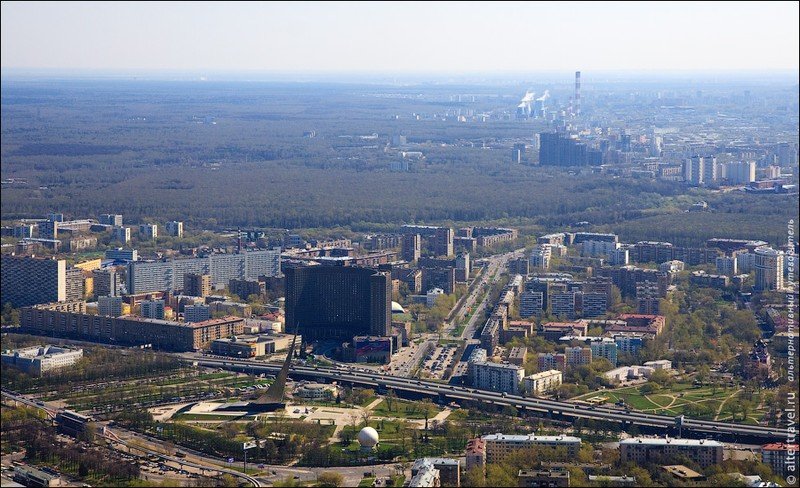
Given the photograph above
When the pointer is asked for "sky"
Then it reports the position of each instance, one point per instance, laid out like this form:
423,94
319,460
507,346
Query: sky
400,37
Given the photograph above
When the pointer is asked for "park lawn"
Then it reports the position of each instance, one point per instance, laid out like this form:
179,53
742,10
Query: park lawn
661,399
657,402
402,409
366,482
369,400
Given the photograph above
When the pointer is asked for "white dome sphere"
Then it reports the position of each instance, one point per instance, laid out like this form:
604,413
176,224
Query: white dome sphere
368,437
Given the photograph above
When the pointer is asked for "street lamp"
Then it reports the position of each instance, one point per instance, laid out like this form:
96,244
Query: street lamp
245,446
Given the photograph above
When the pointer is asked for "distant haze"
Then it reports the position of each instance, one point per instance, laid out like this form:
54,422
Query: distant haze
400,37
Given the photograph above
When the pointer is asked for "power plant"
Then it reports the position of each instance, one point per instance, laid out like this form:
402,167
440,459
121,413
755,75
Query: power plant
531,107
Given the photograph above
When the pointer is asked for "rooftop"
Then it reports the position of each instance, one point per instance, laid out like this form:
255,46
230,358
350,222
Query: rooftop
681,471
659,441
531,438
779,446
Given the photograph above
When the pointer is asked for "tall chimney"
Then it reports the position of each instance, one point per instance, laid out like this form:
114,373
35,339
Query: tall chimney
577,93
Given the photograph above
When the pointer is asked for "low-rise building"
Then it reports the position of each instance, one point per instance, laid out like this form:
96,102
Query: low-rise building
426,475
638,324
552,331
535,478
37,360
543,382
231,308
517,355
449,469
497,376
547,361
603,480
577,356
683,473
500,446
641,450
249,346
664,364
315,391
701,278
30,476
475,453
370,349
160,334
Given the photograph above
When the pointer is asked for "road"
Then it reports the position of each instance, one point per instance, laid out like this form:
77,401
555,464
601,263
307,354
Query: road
143,443
495,265
699,428
128,441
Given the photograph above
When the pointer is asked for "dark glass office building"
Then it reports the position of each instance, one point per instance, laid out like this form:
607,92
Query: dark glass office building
560,150
338,302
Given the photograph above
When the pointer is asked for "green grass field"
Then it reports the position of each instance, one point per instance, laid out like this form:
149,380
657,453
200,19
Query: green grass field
683,399
402,409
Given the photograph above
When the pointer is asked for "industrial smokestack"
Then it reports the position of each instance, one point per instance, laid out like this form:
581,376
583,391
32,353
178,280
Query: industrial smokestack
577,93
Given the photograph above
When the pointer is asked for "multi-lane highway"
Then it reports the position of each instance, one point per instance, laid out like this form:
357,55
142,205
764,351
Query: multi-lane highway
690,427
494,265
112,436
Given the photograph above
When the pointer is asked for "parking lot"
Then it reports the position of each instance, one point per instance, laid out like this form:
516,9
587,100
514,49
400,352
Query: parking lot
440,358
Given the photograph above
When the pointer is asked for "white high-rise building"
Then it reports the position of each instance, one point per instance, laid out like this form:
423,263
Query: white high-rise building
111,219
746,262
168,275
727,265
598,248
540,256
148,232
769,269
121,234
740,172
709,170
619,257
693,170
174,228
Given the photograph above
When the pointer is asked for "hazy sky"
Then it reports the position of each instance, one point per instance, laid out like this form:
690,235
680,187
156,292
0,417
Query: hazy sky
400,37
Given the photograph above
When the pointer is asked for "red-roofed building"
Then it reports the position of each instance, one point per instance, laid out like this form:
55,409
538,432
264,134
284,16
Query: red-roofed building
552,331
476,453
777,456
639,323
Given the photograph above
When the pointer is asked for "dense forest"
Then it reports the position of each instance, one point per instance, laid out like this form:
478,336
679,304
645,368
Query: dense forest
221,154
